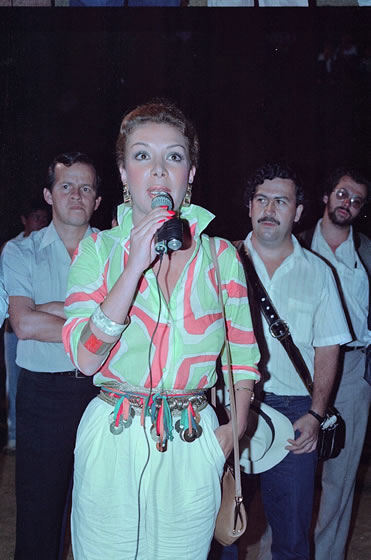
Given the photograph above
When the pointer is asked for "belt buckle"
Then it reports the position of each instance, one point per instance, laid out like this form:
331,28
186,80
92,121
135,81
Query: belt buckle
78,374
279,329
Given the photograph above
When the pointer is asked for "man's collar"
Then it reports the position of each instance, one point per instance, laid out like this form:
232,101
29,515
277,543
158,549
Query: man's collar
50,235
297,250
247,239
318,230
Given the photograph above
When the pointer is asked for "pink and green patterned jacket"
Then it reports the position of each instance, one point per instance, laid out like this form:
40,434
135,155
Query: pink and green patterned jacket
190,336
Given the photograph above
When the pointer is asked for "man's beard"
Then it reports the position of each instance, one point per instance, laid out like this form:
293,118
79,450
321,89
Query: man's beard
342,221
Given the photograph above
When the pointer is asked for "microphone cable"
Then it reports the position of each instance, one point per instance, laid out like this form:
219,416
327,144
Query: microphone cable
161,255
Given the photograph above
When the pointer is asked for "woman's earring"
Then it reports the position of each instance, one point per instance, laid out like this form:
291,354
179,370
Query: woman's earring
188,196
127,200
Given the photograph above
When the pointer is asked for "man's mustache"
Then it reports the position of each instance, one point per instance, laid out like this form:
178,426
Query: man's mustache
268,219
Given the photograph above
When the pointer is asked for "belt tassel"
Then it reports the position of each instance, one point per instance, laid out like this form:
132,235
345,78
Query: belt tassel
163,420
118,411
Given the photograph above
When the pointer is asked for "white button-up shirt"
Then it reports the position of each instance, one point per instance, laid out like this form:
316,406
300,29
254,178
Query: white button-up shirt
37,267
304,293
3,299
353,279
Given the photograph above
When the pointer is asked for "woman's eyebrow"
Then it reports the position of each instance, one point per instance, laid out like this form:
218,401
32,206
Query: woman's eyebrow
167,147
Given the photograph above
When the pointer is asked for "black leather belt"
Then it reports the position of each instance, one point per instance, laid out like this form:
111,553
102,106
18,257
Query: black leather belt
72,373
352,348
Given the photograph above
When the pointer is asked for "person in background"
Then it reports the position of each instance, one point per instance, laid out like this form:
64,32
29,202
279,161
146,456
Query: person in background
3,298
52,394
147,321
34,217
349,252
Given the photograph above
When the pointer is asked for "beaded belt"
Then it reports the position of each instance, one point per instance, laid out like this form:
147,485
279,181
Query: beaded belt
161,407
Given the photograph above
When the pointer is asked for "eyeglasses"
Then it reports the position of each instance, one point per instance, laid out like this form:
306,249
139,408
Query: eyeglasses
356,201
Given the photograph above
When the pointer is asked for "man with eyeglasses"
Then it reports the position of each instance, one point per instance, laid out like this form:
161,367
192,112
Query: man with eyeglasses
349,253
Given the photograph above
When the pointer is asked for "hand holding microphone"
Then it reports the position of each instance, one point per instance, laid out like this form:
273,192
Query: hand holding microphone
170,234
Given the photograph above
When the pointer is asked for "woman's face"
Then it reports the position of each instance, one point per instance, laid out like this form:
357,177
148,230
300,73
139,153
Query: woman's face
156,160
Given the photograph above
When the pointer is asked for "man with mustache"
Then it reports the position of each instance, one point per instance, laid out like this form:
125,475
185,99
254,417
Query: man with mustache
349,253
303,291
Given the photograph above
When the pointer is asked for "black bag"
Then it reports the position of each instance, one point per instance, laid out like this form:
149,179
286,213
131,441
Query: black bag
331,436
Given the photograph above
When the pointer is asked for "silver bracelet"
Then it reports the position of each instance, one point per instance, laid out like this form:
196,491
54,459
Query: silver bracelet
106,325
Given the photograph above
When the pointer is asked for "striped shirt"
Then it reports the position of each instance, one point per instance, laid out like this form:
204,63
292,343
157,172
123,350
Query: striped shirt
189,336
304,292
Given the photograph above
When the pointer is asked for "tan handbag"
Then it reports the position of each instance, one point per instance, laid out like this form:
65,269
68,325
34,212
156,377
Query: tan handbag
231,522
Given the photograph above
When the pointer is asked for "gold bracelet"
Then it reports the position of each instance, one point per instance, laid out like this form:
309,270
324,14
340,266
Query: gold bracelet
247,389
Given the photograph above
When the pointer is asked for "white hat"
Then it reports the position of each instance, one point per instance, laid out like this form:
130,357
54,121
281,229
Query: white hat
263,445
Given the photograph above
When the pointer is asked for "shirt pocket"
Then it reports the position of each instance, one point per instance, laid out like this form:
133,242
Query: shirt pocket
300,320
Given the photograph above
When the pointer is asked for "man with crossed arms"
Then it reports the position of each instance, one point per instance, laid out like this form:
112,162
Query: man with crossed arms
52,395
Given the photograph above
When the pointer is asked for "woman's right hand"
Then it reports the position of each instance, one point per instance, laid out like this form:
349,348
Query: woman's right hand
142,247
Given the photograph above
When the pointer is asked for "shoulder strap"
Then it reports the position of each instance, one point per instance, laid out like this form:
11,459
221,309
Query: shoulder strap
277,327
237,472
362,245
356,239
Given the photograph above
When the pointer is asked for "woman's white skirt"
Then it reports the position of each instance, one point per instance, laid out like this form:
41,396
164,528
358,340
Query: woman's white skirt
173,517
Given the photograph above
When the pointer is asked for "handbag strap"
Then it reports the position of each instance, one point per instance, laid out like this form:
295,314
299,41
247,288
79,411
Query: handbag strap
236,449
277,327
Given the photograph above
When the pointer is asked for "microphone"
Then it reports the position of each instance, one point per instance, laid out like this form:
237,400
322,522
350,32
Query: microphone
170,234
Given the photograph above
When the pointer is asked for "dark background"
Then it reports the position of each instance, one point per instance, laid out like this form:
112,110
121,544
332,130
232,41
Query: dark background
249,79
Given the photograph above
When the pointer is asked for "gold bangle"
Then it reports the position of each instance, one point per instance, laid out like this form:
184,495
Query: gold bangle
247,389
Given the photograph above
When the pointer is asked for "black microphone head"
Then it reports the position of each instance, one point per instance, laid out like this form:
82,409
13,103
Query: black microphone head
162,199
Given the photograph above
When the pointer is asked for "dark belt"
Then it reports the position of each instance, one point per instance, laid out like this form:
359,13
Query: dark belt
352,348
76,373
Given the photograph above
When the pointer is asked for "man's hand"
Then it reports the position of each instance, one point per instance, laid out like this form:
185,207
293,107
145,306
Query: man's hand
308,427
29,323
52,307
325,365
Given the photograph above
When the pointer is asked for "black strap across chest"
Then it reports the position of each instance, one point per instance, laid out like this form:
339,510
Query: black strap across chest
277,327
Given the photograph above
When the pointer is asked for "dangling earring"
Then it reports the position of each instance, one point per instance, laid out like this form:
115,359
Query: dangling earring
127,200
188,195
